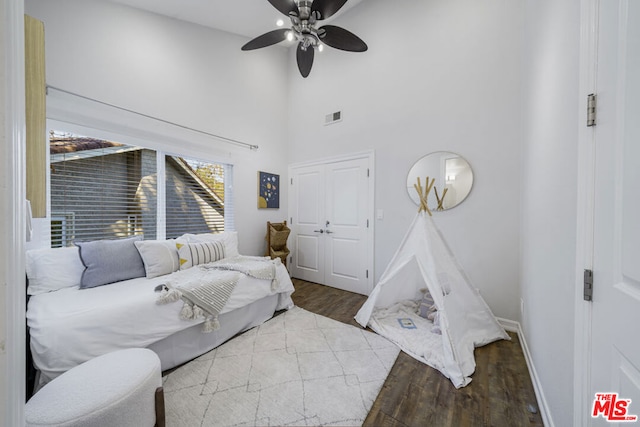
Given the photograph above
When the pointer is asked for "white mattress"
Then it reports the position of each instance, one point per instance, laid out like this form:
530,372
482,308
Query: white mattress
71,326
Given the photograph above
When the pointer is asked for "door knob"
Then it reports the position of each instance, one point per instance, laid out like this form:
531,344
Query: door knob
318,231
329,232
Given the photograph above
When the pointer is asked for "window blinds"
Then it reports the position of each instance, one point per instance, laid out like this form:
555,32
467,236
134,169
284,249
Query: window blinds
101,190
194,196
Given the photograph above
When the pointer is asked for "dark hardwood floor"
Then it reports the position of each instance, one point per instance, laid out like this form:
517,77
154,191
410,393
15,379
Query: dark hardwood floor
414,394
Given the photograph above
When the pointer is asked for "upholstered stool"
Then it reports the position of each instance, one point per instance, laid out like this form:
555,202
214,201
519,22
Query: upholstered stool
123,388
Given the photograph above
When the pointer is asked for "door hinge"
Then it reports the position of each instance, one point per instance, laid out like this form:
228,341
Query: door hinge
588,285
291,181
367,172
291,221
591,109
367,223
367,273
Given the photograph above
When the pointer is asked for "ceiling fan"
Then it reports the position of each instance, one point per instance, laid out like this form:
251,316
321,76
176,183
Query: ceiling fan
304,15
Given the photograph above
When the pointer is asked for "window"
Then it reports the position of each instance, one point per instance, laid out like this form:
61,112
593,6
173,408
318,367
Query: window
194,196
102,189
62,228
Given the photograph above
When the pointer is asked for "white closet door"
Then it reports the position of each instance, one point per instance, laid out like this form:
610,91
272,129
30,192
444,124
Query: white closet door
346,225
308,223
615,347
330,206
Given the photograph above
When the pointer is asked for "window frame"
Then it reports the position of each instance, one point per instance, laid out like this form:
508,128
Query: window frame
157,146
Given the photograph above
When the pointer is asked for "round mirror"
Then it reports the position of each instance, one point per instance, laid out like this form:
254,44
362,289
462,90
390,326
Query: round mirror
452,175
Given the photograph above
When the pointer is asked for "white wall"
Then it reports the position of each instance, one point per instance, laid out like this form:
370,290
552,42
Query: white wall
549,189
438,75
183,73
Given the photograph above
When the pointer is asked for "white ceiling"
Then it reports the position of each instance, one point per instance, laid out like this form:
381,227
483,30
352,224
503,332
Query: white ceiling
249,18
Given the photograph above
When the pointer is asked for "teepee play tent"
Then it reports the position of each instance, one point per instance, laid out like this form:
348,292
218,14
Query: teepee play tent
424,271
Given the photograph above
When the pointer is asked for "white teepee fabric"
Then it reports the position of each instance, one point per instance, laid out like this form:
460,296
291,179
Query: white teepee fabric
424,260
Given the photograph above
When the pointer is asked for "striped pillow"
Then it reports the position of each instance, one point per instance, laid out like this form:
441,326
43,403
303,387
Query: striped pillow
191,254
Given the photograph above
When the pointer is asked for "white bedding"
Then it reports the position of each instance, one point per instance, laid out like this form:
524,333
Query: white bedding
419,342
71,326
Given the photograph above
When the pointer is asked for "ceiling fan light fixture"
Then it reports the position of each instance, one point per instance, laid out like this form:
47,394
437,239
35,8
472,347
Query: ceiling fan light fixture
304,15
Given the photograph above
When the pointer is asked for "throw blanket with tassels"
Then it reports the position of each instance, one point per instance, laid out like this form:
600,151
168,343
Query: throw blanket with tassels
253,266
205,294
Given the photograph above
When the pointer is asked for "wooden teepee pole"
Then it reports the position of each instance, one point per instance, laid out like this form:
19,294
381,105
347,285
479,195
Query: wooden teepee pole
440,199
424,194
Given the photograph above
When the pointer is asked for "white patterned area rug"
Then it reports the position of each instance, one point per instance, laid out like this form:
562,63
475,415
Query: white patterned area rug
298,368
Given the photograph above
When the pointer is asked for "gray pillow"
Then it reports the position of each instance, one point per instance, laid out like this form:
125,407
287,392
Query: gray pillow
108,261
427,306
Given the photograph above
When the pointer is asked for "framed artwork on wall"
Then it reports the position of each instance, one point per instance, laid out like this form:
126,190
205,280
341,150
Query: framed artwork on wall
268,190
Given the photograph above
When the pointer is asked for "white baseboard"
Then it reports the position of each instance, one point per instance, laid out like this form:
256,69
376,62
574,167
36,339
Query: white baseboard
509,325
513,326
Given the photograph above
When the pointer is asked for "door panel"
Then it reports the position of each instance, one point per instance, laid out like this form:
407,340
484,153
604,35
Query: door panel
347,238
308,225
309,191
615,352
307,253
626,378
630,200
631,149
330,204
341,264
344,195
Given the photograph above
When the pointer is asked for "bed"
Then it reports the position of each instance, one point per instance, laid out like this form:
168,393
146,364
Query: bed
70,325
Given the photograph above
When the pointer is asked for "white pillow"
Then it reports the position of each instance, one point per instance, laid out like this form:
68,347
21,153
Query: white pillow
160,257
51,269
229,238
196,253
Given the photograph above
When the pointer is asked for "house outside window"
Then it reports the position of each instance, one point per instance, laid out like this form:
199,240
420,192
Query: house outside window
194,196
102,189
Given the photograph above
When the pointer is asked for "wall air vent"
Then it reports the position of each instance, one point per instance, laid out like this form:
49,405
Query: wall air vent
333,118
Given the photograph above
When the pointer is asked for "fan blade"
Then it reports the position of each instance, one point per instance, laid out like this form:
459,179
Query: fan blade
326,8
267,39
285,6
305,59
339,38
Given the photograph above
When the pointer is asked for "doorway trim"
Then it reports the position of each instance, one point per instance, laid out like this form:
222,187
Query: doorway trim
370,156
585,208
15,222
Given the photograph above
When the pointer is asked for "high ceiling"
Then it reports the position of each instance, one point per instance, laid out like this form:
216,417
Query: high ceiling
248,18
